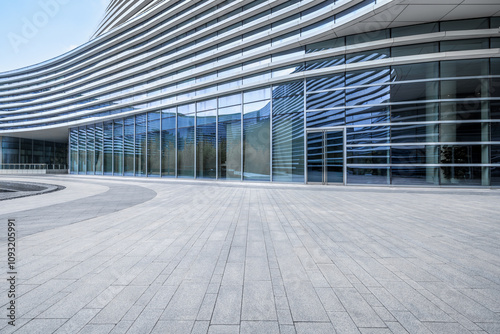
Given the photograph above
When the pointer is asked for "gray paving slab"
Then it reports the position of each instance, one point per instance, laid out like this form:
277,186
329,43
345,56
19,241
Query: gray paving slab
118,255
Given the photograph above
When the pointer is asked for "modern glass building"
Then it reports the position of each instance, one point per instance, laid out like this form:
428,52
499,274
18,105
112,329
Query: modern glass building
385,92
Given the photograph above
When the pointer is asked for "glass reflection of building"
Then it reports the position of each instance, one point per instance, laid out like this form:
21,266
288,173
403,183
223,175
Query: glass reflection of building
294,91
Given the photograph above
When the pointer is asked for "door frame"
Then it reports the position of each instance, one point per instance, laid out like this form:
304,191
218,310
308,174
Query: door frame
344,153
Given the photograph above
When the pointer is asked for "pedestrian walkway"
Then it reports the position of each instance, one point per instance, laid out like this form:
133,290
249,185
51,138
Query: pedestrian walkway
123,255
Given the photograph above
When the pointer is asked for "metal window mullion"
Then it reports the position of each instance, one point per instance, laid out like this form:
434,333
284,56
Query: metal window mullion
325,174
305,133
69,151
147,144
241,135
134,152
195,138
344,169
123,146
217,139
161,145
176,142
112,147
271,137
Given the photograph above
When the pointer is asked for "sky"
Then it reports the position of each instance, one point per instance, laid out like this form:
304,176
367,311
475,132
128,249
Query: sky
32,31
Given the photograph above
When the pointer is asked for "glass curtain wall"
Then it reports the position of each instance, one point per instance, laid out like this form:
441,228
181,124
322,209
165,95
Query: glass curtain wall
118,147
154,143
140,144
98,148
168,138
229,137
108,148
206,138
256,135
82,155
186,140
288,132
129,144
90,149
73,149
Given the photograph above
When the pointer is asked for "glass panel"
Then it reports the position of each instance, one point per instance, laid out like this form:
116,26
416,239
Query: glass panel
288,147
461,176
470,88
82,155
229,100
315,157
366,77
418,112
464,24
325,45
38,151
256,141
464,44
415,154
495,176
326,100
414,91
368,135
26,154
415,176
419,29
368,55
185,151
108,148
495,154
230,143
367,36
48,155
206,144
168,142
73,147
334,150
461,154
98,148
90,149
367,95
325,82
414,49
325,62
460,110
325,118
367,115
140,145
118,147
464,68
368,175
129,144
154,143
368,155
288,105
415,71
412,133
461,132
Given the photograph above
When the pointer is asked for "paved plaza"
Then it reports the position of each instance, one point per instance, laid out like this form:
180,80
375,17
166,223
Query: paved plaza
135,255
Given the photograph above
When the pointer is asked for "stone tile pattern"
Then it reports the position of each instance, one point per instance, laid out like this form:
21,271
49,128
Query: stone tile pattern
215,257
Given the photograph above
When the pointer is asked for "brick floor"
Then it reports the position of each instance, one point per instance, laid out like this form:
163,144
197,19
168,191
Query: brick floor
124,255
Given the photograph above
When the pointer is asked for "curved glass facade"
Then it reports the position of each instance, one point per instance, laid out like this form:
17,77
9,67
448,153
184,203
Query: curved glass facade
262,92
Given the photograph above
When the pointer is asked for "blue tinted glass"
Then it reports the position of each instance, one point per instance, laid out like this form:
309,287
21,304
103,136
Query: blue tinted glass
325,118
325,100
325,82
288,147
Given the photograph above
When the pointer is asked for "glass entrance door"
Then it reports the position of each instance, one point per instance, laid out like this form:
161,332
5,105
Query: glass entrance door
325,157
